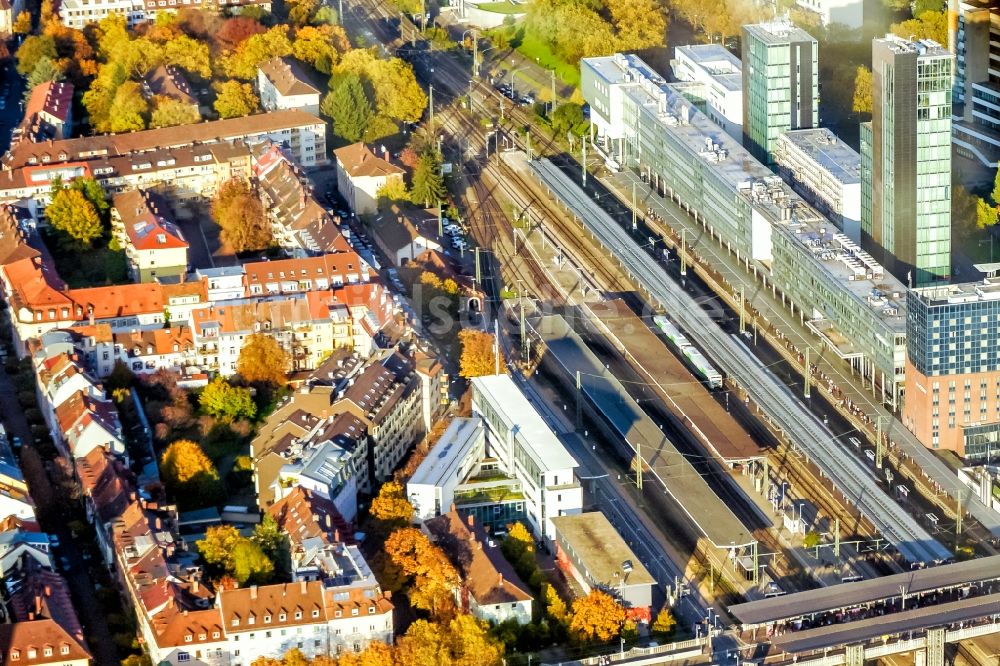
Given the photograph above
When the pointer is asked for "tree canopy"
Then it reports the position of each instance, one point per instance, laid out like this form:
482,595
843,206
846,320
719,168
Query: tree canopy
75,215
576,29
347,106
262,360
596,617
425,564
227,402
928,25
427,188
240,216
390,507
170,112
189,474
235,100
225,549
32,50
862,102
478,357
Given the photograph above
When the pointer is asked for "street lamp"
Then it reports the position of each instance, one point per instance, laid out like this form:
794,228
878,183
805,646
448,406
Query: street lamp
512,73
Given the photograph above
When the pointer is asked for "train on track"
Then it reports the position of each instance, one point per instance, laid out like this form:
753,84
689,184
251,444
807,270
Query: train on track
701,365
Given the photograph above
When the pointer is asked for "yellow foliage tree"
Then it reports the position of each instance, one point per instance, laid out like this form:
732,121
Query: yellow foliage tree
434,577
189,474
391,507
664,623
596,617
555,607
862,102
478,356
263,360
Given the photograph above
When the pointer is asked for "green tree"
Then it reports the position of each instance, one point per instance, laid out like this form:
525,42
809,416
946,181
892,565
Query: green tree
567,117
921,6
428,183
242,63
995,195
98,98
170,112
189,54
251,564
811,539
325,15
235,100
218,545
268,535
348,108
94,193
128,108
862,102
227,402
71,213
32,50
45,70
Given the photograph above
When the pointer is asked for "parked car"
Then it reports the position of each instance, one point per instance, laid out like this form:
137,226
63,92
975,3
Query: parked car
54,540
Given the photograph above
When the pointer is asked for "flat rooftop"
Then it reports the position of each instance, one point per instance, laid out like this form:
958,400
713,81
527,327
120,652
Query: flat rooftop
847,595
449,452
872,628
717,61
829,153
778,31
924,48
964,292
505,396
600,548
706,510
844,261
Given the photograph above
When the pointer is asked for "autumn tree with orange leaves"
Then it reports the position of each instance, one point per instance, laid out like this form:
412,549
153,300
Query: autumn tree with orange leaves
478,355
262,360
190,475
433,578
596,617
390,507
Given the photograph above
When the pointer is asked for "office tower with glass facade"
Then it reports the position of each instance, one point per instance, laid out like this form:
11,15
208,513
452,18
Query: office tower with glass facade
780,84
906,160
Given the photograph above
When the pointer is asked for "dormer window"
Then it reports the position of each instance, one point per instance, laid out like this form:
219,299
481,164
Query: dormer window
336,614
316,613
354,612
371,610
202,637
215,634
267,619
298,615
32,653
188,638
15,655
252,619
236,621
64,649
47,651
282,617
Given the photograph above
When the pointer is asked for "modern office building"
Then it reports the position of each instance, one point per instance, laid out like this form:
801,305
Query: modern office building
839,290
525,448
845,12
826,172
455,457
906,160
780,84
953,368
713,79
975,41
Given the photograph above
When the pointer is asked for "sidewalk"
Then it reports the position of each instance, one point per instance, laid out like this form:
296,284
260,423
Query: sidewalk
856,400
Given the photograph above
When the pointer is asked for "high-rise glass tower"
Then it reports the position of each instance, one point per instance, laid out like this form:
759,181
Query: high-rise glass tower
780,84
906,160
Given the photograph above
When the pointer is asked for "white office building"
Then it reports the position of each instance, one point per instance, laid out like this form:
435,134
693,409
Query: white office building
848,13
826,172
525,448
455,457
713,79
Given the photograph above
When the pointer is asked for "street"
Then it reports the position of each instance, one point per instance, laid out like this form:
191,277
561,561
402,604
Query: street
11,93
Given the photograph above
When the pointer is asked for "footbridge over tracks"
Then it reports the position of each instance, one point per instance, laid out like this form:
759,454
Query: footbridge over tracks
804,430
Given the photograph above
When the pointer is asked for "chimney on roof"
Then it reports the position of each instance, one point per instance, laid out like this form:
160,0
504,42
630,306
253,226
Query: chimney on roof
500,582
38,603
48,590
195,585
185,612
253,592
304,586
471,519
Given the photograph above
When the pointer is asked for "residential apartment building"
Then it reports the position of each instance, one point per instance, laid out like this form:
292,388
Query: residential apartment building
78,13
9,9
906,160
456,457
48,113
320,539
826,172
301,226
404,233
490,589
974,38
714,78
283,83
780,84
142,222
527,451
845,296
169,81
301,133
953,368
361,174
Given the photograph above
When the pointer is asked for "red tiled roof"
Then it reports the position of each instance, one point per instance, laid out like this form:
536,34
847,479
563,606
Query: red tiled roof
30,640
358,160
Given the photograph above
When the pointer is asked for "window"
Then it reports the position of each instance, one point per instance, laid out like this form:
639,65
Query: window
354,611
236,621
371,610
188,638
316,613
183,656
282,617
15,655
298,615
337,614
64,649
47,651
